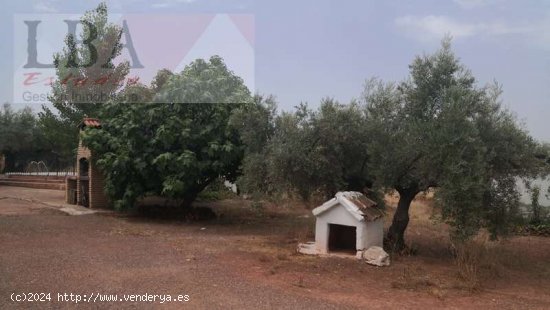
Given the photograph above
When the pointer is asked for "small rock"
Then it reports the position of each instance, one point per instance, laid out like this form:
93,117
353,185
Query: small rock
203,228
376,256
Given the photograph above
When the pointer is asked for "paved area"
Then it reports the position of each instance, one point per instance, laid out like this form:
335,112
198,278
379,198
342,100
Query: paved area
45,198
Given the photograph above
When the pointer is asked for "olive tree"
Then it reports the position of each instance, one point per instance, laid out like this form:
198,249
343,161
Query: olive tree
306,152
438,129
256,125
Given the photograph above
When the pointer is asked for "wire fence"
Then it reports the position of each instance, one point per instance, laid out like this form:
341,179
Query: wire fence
39,168
48,173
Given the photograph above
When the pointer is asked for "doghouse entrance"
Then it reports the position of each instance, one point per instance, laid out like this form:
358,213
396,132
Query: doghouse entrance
342,238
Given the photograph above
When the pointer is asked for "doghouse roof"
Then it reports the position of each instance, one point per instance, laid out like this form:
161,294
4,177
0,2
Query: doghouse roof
355,203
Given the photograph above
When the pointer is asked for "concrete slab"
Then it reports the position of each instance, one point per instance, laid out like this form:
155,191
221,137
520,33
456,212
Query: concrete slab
52,199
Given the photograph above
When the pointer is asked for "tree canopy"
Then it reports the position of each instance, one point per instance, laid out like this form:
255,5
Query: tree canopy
176,143
311,153
22,139
439,129
18,129
436,129
87,77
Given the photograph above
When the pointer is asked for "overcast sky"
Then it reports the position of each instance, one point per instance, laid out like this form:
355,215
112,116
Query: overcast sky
309,49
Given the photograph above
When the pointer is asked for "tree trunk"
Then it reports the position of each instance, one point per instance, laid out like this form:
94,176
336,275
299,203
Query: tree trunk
189,198
395,237
191,195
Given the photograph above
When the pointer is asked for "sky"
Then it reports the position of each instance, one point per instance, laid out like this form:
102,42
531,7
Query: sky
305,50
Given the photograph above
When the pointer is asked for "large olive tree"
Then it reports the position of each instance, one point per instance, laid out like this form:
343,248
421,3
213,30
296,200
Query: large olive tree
439,129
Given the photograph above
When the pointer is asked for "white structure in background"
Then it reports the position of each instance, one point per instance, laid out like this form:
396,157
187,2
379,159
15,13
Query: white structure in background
526,194
230,186
349,222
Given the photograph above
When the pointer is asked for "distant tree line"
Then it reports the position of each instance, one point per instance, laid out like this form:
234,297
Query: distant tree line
23,140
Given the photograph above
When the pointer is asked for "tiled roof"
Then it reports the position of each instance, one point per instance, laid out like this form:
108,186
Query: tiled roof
361,207
90,122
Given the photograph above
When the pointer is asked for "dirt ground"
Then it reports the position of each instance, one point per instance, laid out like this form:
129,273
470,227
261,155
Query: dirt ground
245,259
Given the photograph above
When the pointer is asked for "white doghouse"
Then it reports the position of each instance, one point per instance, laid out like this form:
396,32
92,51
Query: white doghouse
349,222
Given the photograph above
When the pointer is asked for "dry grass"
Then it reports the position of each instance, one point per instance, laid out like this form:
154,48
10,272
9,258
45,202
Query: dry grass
300,282
415,278
480,261
476,264
432,266
131,231
468,259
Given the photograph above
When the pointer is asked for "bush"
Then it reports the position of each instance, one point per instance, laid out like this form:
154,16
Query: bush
216,191
542,229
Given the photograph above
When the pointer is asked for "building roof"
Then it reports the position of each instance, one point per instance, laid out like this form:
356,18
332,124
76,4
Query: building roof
90,122
361,207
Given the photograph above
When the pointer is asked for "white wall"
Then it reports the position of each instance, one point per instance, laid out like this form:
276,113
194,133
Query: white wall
375,233
336,215
368,233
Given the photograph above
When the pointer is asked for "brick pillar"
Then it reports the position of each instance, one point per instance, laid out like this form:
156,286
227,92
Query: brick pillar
98,199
